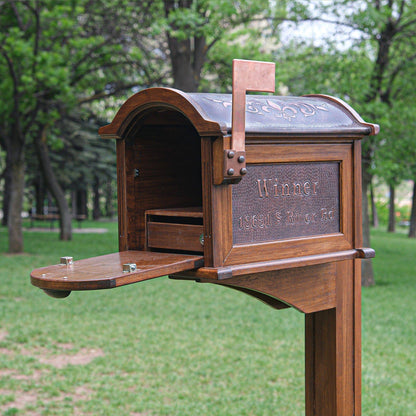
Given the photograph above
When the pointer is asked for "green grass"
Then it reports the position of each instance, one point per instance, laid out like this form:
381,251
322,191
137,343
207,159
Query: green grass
389,329
167,347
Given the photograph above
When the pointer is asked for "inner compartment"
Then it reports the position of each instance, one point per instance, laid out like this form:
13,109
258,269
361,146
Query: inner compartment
178,229
163,183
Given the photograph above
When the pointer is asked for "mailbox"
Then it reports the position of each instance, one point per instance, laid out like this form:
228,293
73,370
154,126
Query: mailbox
259,193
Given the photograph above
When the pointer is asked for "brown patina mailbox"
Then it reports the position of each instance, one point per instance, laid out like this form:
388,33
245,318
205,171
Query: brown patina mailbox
259,193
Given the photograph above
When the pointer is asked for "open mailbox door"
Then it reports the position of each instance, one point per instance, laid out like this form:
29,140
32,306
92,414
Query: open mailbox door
109,271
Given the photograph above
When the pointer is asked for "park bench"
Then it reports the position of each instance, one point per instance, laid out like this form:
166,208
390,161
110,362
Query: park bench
51,217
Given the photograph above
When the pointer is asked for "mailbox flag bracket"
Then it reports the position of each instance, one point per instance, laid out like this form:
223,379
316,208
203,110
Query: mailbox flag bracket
109,271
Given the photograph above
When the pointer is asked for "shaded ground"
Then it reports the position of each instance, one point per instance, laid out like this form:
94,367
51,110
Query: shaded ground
26,400
74,230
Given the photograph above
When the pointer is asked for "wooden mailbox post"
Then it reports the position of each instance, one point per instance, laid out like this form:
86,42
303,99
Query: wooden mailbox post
272,209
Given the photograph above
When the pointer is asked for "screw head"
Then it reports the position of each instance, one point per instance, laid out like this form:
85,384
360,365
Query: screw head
230,172
230,154
66,260
243,171
129,267
241,159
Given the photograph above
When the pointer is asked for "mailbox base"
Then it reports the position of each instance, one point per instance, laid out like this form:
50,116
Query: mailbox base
329,295
333,350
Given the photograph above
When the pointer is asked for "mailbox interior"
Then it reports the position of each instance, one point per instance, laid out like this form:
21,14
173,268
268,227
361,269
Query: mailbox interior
160,164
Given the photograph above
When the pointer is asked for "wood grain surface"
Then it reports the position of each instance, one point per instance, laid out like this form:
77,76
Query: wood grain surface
105,272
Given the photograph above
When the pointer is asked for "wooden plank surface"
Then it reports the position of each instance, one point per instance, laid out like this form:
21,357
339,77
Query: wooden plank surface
308,289
188,212
175,236
106,271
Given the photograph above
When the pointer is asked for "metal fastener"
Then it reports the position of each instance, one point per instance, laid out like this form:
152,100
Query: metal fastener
202,239
243,171
241,159
230,172
129,267
67,260
230,154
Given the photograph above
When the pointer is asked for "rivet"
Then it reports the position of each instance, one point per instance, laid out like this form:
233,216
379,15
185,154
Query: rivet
230,154
65,277
241,159
136,173
129,267
67,260
230,172
202,239
243,171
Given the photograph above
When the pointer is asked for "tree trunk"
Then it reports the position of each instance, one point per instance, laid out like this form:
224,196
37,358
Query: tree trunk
392,212
54,188
39,194
180,55
367,273
8,179
374,214
82,208
109,212
15,206
412,228
187,55
96,212
74,203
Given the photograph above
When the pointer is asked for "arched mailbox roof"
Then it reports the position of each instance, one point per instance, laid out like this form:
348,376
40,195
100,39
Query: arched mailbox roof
265,115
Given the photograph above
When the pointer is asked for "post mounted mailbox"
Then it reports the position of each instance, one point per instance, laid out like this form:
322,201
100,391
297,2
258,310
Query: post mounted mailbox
258,193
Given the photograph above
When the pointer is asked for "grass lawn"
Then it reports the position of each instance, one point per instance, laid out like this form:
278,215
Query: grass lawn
167,347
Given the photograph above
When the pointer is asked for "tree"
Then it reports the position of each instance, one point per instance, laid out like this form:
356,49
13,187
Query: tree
53,57
56,56
371,69
88,161
194,27
390,27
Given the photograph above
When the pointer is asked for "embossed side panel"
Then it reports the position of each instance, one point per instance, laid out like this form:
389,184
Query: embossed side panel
286,200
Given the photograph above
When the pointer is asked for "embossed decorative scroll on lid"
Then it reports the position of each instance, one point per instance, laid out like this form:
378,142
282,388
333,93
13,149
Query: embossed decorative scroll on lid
265,114
276,114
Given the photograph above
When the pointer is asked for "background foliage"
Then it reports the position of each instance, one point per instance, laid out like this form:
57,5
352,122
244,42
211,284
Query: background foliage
66,66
